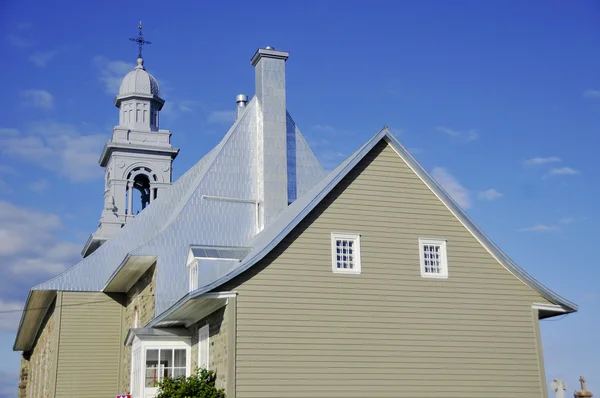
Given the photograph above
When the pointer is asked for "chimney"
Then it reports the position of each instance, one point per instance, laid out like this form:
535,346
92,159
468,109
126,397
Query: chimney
242,101
272,167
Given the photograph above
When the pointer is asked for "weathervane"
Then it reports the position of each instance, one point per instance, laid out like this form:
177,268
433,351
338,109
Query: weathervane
140,40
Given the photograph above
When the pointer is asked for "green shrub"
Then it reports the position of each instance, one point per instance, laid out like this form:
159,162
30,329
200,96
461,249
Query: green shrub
201,384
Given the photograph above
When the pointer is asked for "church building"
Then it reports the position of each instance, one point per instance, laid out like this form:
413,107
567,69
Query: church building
368,281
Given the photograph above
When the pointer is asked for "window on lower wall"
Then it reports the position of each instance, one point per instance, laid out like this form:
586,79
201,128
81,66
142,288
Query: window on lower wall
203,347
152,361
162,363
345,253
434,261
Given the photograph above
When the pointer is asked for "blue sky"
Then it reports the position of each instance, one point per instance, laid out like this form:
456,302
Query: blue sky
500,101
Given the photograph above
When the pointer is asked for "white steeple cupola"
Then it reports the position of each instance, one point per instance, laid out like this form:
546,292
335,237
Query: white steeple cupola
139,100
137,158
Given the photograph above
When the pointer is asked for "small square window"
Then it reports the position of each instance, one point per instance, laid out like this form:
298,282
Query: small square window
345,253
434,262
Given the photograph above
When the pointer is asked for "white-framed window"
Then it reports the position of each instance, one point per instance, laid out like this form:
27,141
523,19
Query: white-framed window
433,258
164,362
152,361
345,253
193,272
203,346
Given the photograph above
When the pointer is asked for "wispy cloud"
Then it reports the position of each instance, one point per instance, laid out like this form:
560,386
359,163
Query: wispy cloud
541,160
489,195
324,128
58,147
593,94
19,42
37,99
465,135
563,171
112,73
327,129
12,314
6,169
540,228
451,185
38,185
220,117
556,226
9,132
566,220
42,58
27,264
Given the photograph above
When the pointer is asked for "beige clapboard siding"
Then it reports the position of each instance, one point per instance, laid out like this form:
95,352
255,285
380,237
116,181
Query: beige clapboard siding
304,331
89,345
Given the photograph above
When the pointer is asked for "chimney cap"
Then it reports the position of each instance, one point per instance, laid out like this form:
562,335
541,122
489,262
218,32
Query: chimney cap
268,52
241,99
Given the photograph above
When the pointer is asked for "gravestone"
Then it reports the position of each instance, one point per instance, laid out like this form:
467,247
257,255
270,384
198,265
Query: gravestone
559,387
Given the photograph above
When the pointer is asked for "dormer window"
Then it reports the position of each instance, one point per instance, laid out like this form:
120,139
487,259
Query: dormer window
205,263
193,272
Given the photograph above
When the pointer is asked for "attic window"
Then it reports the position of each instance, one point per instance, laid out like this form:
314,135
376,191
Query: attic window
345,253
434,261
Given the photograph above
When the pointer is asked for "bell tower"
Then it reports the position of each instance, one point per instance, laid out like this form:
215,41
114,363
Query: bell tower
138,157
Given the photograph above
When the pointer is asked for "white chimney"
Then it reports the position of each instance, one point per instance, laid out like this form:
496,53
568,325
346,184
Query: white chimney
272,168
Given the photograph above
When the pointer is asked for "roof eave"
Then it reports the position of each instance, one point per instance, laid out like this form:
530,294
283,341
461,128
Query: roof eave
36,306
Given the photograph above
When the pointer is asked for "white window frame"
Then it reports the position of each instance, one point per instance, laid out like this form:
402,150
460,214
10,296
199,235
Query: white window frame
193,275
443,274
356,269
203,339
139,349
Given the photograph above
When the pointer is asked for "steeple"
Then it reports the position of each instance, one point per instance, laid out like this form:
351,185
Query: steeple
139,155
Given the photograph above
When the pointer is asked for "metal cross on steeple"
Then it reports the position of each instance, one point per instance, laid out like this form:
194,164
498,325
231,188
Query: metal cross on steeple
140,40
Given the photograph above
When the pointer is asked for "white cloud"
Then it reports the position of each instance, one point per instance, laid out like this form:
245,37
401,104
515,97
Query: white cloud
539,161
28,242
112,73
220,117
9,132
564,171
19,42
591,94
38,185
37,99
42,58
567,220
466,135
489,194
540,228
451,185
324,128
10,315
58,147
6,169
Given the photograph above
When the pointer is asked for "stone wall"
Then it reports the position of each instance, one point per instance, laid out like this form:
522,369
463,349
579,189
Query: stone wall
140,299
38,364
217,343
